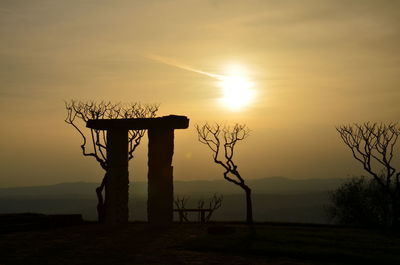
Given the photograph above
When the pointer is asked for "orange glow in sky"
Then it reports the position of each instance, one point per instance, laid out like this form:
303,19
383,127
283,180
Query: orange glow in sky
290,70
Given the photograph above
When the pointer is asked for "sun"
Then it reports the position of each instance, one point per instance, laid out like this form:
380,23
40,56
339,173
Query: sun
237,89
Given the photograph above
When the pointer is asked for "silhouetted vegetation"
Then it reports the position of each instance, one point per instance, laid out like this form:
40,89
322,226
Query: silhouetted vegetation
213,137
214,203
360,201
94,142
180,205
204,212
373,145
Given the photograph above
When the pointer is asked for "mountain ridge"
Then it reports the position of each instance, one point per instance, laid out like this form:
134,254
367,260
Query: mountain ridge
274,198
271,185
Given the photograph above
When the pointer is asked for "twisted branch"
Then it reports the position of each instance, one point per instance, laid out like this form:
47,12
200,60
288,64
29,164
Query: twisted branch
78,114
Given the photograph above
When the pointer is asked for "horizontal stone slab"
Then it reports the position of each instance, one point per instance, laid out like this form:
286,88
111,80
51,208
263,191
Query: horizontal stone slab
193,210
166,122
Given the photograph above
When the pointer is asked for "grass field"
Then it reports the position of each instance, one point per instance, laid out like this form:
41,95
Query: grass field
218,243
321,244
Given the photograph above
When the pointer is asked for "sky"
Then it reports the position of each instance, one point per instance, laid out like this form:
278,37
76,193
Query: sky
312,65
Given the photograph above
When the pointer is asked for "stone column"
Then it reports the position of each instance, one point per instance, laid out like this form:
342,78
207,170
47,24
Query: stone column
117,185
160,176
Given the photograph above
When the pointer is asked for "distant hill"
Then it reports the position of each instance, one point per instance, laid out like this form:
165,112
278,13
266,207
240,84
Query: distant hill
58,190
272,185
274,199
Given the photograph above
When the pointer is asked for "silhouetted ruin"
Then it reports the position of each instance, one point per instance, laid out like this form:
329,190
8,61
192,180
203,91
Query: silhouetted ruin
94,141
160,174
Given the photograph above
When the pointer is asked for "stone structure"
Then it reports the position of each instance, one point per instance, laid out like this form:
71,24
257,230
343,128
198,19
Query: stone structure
160,174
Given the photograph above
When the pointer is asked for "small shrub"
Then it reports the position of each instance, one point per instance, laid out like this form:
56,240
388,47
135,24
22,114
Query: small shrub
360,202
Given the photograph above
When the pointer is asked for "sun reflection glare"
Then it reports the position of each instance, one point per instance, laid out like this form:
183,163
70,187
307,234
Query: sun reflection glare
237,89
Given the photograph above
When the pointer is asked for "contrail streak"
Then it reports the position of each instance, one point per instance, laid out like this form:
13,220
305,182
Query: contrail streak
177,64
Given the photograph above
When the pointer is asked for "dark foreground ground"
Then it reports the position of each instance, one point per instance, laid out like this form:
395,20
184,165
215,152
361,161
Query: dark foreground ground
140,243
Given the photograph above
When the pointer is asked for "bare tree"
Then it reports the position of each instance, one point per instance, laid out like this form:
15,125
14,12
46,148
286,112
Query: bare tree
222,141
204,214
94,142
373,145
180,204
214,204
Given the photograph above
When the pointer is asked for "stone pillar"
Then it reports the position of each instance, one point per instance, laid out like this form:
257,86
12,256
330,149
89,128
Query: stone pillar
160,176
117,185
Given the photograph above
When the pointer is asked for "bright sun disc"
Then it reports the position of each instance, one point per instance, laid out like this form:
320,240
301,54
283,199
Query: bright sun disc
237,92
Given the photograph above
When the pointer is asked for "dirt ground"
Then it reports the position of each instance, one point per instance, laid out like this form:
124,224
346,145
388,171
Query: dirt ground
134,244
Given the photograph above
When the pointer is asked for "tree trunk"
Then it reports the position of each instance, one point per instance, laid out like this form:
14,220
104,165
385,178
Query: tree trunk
100,200
395,211
100,205
394,216
249,206
396,204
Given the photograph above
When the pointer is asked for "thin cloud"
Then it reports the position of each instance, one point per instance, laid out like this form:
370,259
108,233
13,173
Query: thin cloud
175,63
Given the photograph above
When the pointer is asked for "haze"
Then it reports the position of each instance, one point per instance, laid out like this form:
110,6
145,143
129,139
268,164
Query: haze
313,65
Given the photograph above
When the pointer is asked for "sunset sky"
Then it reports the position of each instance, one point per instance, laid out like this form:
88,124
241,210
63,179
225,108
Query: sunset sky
309,65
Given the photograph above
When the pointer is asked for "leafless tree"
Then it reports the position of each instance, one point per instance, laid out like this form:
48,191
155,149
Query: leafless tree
180,204
94,142
222,141
214,204
204,214
373,145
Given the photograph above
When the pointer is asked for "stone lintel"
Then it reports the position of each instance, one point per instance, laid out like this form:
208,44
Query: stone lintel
166,122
